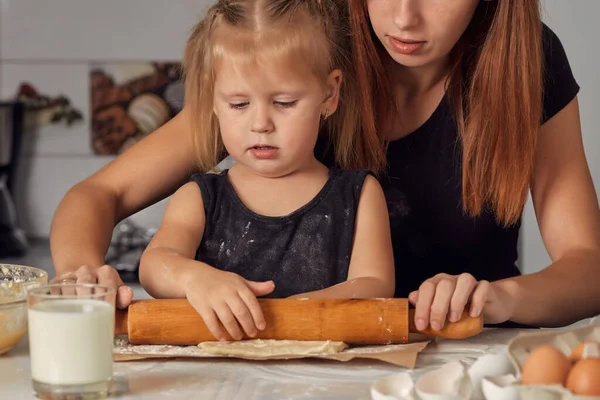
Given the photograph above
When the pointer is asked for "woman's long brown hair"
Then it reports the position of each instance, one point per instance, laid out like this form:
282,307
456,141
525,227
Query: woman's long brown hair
495,92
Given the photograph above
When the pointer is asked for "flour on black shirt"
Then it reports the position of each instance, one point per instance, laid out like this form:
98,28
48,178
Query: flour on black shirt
306,250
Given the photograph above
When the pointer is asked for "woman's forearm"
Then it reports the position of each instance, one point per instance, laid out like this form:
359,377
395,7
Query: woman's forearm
358,288
146,173
165,273
82,228
561,294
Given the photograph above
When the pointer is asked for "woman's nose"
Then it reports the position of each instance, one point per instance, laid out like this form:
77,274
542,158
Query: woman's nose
406,14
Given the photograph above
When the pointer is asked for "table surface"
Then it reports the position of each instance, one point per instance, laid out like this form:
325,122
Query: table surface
239,379
227,379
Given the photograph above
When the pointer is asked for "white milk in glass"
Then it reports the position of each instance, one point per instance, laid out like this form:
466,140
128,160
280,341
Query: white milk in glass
71,341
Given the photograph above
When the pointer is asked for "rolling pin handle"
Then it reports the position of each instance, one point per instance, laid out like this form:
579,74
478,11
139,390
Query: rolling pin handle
465,327
121,325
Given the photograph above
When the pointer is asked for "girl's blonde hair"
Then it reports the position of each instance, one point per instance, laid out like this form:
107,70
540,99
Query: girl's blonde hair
313,33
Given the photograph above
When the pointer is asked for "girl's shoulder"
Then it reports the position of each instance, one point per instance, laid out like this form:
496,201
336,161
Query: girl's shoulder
559,84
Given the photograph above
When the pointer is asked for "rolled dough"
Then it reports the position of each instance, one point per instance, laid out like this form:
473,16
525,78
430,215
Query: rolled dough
269,348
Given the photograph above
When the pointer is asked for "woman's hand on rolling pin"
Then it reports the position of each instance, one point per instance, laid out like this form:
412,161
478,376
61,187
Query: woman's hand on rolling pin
444,298
227,297
104,275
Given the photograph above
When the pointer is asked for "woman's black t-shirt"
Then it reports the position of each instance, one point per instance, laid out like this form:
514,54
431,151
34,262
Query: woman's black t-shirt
430,232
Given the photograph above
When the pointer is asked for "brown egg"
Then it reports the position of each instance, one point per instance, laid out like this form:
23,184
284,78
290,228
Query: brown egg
583,378
578,352
546,365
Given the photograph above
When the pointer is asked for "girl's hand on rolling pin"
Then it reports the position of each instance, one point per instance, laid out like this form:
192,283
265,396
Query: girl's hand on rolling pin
227,297
444,297
104,275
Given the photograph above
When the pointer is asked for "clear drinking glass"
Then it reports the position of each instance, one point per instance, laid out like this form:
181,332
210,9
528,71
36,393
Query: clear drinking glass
71,332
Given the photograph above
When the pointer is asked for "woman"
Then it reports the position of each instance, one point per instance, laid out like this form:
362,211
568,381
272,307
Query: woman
476,104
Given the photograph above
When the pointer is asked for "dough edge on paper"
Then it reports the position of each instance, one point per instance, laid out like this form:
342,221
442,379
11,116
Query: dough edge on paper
271,347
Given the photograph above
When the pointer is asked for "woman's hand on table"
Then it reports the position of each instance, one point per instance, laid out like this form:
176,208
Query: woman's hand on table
227,297
445,297
104,275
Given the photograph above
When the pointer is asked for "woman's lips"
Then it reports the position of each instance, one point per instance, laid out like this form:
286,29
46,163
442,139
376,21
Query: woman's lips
405,46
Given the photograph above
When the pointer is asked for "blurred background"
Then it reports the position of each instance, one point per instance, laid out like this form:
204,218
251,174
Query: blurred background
91,78
81,80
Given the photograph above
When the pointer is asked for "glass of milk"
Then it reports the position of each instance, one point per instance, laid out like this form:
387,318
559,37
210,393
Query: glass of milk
71,333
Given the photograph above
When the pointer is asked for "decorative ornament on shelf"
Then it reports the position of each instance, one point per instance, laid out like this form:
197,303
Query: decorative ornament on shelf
130,101
43,110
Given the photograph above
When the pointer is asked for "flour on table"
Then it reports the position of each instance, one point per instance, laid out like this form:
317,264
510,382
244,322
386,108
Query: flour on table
270,348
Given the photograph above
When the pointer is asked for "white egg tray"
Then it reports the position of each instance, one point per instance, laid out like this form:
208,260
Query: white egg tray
490,377
565,340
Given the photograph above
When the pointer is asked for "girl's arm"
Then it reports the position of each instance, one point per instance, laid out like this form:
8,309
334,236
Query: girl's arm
371,272
167,264
168,269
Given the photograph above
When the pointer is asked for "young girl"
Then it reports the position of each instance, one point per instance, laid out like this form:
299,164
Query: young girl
262,76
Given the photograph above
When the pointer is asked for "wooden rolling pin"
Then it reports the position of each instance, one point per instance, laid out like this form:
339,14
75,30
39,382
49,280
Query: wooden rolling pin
354,321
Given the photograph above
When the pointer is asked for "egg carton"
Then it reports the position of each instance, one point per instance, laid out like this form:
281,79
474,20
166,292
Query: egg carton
491,377
565,340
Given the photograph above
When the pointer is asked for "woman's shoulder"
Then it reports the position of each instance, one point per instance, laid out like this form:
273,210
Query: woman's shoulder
559,83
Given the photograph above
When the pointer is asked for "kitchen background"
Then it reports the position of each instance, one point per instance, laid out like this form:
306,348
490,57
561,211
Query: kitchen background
86,51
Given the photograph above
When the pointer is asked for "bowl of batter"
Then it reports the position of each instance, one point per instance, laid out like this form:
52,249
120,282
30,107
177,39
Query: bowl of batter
15,281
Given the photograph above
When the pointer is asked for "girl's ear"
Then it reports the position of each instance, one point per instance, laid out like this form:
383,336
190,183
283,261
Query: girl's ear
332,92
